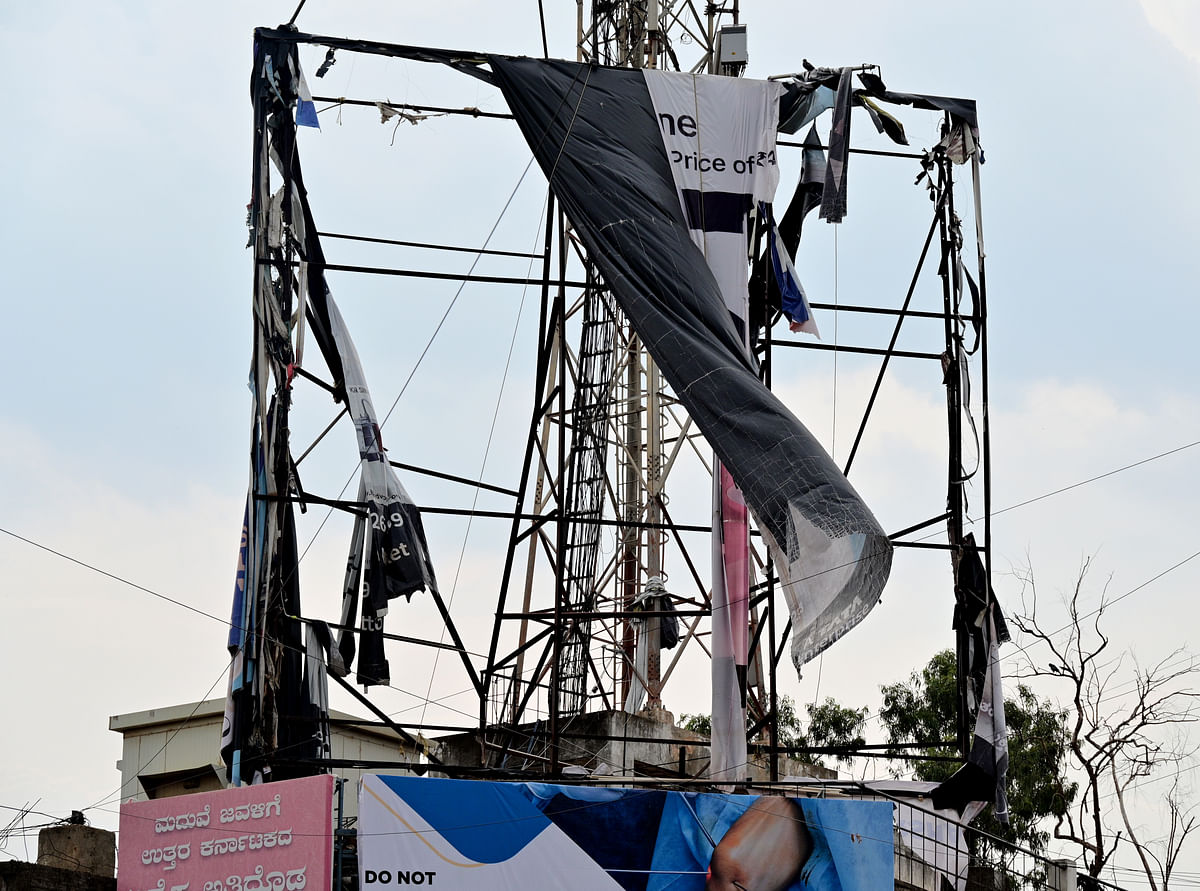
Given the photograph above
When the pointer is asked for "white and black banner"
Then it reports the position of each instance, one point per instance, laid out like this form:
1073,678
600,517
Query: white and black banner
388,552
719,135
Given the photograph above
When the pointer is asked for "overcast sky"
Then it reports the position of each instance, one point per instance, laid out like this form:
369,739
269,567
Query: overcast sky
126,297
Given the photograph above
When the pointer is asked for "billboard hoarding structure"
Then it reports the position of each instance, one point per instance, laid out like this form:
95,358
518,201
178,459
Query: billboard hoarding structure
471,834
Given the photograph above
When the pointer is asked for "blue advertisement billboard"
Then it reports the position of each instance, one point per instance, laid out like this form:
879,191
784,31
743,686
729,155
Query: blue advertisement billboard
472,834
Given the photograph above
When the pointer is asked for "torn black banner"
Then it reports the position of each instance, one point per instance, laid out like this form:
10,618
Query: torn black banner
595,134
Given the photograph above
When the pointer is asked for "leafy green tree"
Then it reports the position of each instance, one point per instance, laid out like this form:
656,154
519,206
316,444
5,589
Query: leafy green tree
829,725
701,724
922,709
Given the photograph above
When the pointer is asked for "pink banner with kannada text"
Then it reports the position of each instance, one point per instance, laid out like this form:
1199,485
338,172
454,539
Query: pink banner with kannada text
271,837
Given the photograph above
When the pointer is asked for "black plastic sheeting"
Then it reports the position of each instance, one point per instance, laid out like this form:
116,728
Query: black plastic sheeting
595,136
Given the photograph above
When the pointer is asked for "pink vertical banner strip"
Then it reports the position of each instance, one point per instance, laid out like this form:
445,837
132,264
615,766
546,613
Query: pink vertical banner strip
270,837
728,739
735,550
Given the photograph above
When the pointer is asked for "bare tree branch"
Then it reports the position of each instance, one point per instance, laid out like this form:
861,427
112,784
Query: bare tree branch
1121,719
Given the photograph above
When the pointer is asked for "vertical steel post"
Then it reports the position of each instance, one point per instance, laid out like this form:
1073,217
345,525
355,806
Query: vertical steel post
560,569
951,369
542,388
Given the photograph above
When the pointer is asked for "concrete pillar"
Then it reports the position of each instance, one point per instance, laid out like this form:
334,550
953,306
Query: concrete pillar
79,848
1062,875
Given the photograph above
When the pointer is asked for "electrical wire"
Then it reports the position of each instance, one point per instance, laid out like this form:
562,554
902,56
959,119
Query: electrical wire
1093,479
120,790
9,807
198,611
188,607
486,453
1105,605
114,577
429,343
193,609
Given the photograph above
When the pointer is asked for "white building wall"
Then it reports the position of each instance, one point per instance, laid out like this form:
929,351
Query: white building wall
176,751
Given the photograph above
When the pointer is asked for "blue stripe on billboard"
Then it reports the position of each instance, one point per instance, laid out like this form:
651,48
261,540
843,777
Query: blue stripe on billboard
485,822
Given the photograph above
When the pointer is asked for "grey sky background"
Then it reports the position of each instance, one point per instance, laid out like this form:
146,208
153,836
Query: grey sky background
126,298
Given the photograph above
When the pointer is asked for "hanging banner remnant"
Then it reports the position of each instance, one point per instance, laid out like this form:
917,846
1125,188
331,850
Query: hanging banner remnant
390,540
598,138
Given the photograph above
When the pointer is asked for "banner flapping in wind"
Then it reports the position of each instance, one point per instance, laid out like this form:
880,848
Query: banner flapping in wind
598,138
